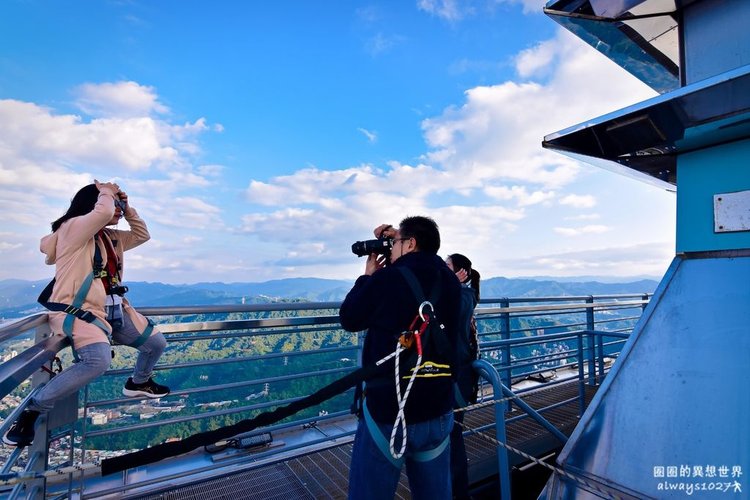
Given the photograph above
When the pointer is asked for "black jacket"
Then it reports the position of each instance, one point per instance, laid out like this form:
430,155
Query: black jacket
384,305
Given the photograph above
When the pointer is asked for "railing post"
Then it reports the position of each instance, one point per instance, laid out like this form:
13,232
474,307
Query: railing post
505,335
488,372
590,325
39,448
600,351
581,384
644,298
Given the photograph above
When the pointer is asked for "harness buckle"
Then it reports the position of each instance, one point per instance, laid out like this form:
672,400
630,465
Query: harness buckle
421,309
71,310
86,316
406,339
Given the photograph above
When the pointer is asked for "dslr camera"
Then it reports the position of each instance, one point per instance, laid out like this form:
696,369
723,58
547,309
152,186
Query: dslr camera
381,246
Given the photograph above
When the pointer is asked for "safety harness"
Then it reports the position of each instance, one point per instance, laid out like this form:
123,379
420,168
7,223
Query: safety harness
74,310
417,336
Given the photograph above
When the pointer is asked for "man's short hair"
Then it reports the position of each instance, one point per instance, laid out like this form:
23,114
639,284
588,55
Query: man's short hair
424,230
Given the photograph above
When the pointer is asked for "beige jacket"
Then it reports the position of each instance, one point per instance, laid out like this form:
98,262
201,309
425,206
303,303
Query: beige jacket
71,250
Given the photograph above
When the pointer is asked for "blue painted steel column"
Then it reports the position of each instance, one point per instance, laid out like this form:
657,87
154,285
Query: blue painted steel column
590,327
487,371
600,355
581,375
505,335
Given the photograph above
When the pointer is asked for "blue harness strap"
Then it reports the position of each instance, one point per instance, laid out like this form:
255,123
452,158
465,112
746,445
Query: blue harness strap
380,441
74,308
144,335
459,399
384,446
427,455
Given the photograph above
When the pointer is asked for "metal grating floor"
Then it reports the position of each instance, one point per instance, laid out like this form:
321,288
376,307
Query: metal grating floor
320,475
324,474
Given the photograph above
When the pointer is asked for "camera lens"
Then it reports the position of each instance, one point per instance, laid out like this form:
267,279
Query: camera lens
379,246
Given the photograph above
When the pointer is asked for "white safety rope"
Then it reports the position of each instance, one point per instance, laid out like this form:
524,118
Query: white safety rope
409,337
401,415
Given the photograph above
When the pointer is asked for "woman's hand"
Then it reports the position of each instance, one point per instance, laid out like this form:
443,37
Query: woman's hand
107,185
462,275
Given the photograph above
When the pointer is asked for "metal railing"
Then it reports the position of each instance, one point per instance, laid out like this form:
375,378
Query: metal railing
227,363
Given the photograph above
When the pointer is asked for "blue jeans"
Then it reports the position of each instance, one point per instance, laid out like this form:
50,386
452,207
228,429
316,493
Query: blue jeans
148,353
373,476
94,361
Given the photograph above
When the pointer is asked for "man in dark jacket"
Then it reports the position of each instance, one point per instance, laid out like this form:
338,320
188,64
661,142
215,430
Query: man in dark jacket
383,302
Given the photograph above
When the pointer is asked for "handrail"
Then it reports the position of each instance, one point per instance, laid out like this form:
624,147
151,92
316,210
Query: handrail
207,326
562,298
19,326
236,308
22,366
560,307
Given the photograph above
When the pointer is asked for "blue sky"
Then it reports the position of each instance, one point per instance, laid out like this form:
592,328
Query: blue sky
259,140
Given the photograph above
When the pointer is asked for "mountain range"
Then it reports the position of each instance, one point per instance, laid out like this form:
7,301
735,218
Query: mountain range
18,297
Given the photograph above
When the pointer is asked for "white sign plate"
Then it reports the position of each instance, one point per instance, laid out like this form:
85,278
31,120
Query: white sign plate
732,212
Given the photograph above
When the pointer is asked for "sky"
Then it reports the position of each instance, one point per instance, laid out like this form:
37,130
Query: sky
259,140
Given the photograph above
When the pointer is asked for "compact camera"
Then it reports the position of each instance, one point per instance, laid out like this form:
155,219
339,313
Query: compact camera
381,246
122,204
118,290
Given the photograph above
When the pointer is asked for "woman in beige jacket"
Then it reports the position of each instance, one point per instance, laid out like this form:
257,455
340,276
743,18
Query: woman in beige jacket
88,258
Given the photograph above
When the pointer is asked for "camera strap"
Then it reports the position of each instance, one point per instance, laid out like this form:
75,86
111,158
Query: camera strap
111,271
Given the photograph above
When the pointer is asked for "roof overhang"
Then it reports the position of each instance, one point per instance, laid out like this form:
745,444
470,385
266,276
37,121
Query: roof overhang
644,140
641,36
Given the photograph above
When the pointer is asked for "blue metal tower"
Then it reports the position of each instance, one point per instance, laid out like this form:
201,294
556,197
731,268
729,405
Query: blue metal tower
673,416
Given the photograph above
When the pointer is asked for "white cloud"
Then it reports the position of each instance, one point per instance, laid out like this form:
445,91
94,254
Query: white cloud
529,6
210,170
520,193
496,133
371,136
647,258
577,231
381,43
33,135
450,10
8,246
584,217
119,99
537,61
578,201
184,212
